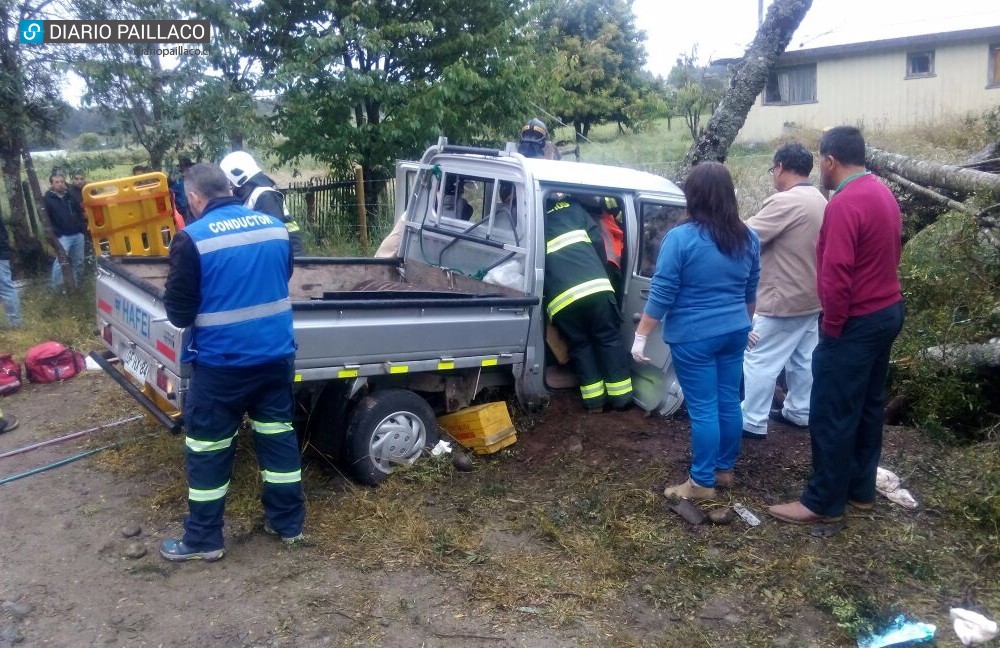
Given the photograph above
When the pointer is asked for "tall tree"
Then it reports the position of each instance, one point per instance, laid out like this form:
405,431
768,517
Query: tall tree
30,100
147,94
369,82
696,89
600,54
748,81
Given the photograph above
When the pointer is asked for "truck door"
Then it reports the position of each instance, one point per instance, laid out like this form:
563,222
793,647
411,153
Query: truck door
655,384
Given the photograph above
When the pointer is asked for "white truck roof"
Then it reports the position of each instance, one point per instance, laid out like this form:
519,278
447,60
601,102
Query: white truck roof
563,171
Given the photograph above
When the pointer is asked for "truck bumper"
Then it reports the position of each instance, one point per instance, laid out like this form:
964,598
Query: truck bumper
174,426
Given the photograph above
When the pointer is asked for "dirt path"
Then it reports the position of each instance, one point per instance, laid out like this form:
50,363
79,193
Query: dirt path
67,582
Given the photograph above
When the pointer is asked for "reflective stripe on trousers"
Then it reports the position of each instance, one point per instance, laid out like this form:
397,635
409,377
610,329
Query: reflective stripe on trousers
567,297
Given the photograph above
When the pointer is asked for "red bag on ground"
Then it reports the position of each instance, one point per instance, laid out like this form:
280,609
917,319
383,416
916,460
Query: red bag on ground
51,362
10,375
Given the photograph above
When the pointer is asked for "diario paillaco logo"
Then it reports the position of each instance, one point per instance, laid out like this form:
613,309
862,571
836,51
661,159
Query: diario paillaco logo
32,32
37,32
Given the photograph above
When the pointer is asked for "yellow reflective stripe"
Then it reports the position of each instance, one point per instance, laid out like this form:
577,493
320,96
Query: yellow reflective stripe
592,390
298,377
490,362
347,373
208,495
399,369
569,238
619,388
276,427
567,297
281,477
559,205
292,226
208,446
446,364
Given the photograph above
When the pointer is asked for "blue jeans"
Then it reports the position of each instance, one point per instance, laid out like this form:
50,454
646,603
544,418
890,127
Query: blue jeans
73,245
710,371
8,293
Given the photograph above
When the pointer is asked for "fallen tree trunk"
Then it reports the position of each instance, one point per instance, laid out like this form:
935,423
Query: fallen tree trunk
965,357
931,174
773,36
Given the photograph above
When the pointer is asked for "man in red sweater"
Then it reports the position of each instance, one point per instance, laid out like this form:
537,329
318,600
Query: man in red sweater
857,258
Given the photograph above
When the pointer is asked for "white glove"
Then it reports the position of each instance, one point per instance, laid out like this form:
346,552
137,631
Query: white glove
752,340
638,348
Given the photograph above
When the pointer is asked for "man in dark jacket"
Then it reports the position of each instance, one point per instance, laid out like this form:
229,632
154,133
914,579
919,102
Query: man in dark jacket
68,225
256,190
8,293
580,301
241,352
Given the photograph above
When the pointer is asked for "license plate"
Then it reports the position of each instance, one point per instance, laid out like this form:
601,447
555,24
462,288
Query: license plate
135,365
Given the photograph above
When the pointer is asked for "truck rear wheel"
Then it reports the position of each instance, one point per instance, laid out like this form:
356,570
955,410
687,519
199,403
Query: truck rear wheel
388,429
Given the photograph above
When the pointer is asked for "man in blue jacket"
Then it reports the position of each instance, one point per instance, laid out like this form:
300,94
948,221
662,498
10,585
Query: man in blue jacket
228,280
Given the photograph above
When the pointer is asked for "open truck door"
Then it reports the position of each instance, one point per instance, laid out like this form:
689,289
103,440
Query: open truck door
655,383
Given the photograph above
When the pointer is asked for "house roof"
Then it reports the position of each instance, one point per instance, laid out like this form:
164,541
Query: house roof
825,46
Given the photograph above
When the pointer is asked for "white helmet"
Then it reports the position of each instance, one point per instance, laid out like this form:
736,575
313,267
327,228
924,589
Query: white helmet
239,167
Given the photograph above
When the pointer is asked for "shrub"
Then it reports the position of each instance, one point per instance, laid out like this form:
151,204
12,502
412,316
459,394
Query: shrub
950,281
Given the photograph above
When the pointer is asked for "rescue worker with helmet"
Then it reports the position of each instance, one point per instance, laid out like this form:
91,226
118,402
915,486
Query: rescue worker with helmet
580,302
228,280
535,141
256,190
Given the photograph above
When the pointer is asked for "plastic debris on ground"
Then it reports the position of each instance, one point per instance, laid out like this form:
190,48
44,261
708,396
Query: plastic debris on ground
442,448
746,514
901,632
973,628
887,484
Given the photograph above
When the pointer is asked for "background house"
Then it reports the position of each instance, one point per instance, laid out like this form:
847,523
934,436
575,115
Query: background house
885,82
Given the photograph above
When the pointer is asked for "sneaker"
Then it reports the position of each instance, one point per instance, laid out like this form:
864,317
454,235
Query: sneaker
299,540
777,416
760,436
8,423
176,551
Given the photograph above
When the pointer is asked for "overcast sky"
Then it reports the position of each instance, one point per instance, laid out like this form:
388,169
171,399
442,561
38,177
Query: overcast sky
723,28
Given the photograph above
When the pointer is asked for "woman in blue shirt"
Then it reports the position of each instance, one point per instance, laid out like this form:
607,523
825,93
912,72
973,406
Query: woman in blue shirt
704,291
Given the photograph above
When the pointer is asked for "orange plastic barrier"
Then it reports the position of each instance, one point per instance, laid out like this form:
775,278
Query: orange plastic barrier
130,216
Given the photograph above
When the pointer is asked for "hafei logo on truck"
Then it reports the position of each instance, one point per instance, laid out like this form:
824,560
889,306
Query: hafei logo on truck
132,316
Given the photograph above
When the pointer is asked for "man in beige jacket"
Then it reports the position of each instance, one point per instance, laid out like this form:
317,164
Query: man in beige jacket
788,307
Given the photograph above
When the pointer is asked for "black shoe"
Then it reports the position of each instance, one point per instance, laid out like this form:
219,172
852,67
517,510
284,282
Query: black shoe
8,423
747,434
778,417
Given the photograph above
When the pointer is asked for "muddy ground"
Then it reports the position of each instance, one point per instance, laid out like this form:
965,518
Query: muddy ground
65,579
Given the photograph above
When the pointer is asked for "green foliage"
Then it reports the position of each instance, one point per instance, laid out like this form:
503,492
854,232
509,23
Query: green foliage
596,74
695,90
951,279
88,141
991,119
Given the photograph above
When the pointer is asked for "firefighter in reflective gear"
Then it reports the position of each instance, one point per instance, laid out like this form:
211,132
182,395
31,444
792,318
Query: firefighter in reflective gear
256,191
535,142
228,280
579,299
609,219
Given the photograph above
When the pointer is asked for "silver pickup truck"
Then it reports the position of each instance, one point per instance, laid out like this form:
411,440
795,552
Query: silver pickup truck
384,344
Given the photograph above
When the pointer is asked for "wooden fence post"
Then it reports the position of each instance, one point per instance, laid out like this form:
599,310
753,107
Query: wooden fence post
359,197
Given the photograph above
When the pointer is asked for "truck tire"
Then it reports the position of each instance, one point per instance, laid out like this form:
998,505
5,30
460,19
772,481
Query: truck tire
388,429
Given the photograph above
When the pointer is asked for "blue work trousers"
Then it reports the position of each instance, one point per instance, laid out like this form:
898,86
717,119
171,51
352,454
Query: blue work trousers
846,409
217,399
710,372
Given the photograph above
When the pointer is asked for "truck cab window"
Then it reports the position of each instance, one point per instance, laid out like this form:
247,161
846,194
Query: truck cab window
654,223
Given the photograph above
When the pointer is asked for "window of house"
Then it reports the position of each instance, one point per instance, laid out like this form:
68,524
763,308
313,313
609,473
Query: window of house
791,85
919,64
994,69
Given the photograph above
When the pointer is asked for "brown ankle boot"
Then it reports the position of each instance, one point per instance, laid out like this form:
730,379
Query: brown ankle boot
724,479
690,490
